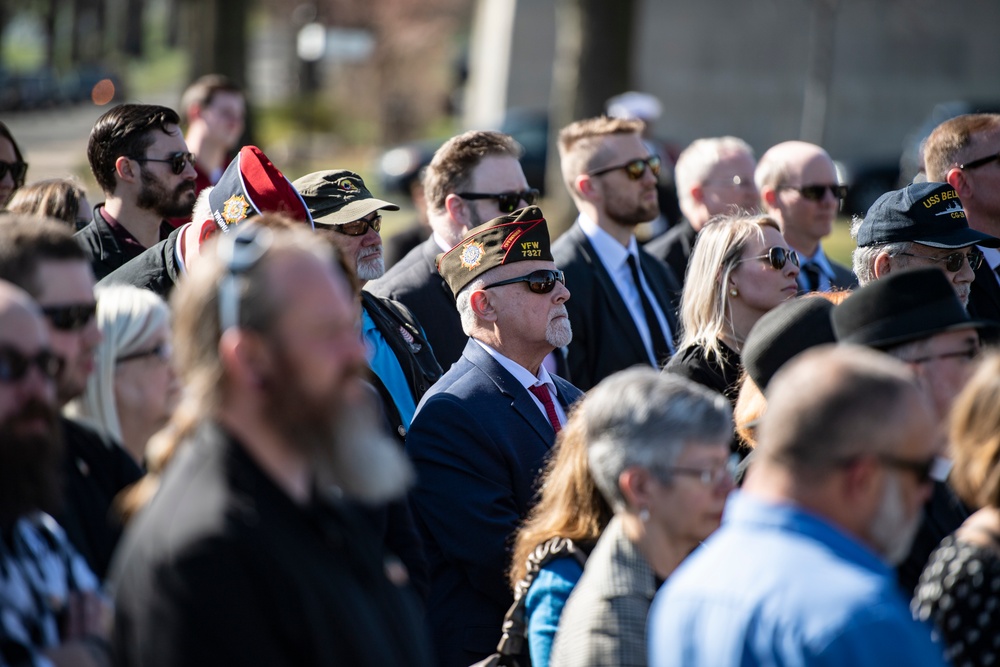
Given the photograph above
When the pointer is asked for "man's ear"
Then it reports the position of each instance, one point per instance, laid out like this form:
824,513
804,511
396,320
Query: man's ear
245,357
207,230
956,179
769,195
698,194
480,302
883,265
126,172
584,184
457,208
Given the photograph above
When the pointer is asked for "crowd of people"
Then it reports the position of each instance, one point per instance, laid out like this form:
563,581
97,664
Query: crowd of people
229,435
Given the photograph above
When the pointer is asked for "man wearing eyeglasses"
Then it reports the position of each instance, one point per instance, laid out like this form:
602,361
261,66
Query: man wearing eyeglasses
915,316
799,188
923,224
139,159
622,314
714,176
965,153
800,572
403,363
50,606
473,177
483,431
44,259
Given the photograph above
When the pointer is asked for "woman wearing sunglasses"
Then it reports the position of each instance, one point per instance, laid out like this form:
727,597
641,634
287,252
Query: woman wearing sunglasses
13,168
740,269
132,390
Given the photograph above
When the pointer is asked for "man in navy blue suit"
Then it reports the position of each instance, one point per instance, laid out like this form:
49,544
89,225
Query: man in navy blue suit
482,432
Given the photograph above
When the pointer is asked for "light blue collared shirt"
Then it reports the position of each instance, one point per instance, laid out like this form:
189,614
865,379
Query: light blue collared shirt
526,379
383,362
614,256
779,586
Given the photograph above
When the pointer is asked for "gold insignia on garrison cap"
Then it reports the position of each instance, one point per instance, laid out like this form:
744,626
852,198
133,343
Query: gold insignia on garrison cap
472,254
235,209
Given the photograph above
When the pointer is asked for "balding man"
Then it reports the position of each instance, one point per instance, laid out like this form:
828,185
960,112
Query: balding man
799,188
714,177
50,609
965,153
800,571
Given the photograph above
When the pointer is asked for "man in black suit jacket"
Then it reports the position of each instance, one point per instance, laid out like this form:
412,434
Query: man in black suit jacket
473,177
622,312
962,152
799,189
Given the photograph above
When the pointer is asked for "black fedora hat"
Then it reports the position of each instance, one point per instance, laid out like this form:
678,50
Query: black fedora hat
902,307
783,332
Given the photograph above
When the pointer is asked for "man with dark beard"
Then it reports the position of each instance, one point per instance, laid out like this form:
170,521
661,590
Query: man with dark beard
482,433
622,314
247,554
41,257
403,365
50,609
139,159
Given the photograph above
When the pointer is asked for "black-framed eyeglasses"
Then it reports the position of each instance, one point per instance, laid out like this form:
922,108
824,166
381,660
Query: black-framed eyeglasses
17,171
635,169
777,257
972,164
816,192
507,202
539,282
240,251
163,351
923,470
953,262
357,227
177,161
14,364
71,317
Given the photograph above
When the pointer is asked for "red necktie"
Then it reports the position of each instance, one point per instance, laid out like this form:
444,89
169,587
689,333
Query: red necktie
541,392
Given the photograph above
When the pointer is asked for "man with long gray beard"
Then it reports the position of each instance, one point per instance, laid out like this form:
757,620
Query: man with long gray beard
50,609
482,433
800,571
402,362
247,553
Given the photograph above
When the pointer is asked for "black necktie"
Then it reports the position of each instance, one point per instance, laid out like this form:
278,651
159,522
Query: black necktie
811,272
660,349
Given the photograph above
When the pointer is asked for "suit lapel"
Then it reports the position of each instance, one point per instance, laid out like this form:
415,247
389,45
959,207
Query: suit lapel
660,291
619,311
519,397
429,250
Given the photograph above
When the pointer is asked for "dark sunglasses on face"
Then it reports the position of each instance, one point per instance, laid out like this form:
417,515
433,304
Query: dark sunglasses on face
539,282
924,470
816,192
14,365
17,170
777,257
635,169
972,164
177,161
507,202
70,318
953,262
356,228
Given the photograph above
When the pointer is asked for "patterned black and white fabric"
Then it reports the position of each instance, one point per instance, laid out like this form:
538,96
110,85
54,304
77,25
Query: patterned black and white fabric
39,569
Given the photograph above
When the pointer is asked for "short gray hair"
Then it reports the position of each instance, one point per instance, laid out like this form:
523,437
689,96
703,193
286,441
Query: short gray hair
696,161
463,301
642,417
863,259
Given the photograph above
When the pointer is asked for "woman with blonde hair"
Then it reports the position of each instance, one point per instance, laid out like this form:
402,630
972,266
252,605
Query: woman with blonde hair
133,389
740,269
566,522
958,589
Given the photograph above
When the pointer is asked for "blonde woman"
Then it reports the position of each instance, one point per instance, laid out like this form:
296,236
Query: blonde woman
740,269
133,389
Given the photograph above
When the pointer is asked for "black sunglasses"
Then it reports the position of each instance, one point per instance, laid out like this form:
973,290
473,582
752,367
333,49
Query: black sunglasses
507,202
17,170
816,192
972,164
70,318
177,161
777,257
922,470
356,228
14,365
635,169
953,262
539,282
